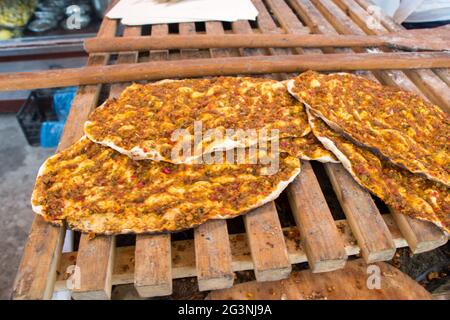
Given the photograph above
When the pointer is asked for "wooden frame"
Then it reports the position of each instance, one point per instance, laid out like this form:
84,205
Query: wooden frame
214,254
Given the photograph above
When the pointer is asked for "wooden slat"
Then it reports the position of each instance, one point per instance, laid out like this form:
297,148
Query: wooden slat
362,215
183,256
365,220
126,57
186,29
96,256
215,27
36,275
267,26
263,227
213,256
425,79
390,25
37,271
153,263
95,262
320,237
212,244
267,245
153,266
444,74
221,67
422,235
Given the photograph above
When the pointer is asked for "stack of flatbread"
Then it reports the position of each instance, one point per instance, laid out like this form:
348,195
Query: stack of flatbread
128,173
123,176
395,144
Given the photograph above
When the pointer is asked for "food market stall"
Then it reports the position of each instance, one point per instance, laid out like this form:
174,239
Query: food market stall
323,217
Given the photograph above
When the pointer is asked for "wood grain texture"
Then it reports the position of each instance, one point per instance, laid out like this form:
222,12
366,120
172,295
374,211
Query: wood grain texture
183,253
213,256
221,67
37,271
362,214
323,245
350,283
153,266
422,236
266,243
320,237
153,260
95,262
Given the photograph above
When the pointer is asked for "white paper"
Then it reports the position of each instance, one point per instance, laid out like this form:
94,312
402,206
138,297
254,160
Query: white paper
139,12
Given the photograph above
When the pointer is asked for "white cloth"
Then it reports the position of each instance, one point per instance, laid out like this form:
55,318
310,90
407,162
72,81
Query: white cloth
421,11
139,12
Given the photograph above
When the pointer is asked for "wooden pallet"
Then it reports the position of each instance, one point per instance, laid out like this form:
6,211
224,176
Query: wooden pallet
213,254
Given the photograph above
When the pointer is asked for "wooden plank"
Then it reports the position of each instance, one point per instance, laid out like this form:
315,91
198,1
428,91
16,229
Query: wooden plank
267,26
221,67
126,57
183,255
37,270
187,28
421,236
346,284
363,216
95,261
418,235
153,269
436,89
320,237
153,265
444,74
98,266
213,256
365,220
263,227
267,245
215,27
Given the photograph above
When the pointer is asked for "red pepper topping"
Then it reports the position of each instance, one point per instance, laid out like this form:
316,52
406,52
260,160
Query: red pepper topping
166,170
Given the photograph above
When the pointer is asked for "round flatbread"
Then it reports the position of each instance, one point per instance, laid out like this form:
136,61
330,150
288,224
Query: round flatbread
396,124
405,192
149,121
307,148
92,188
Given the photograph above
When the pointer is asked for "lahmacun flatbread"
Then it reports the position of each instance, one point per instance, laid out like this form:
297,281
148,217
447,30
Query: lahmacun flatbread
92,188
142,121
407,193
307,148
396,124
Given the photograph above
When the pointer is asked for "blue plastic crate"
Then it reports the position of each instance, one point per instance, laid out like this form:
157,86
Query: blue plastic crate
51,132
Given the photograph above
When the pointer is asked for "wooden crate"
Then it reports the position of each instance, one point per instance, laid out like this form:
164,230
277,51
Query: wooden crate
265,245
